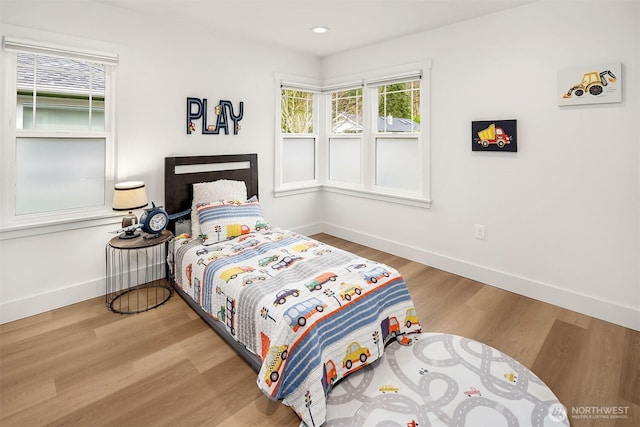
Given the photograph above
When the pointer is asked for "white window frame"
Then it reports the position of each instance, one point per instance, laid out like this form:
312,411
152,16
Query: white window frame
12,225
368,188
309,85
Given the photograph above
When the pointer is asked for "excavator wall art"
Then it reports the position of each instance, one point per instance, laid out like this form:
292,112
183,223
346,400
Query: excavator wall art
592,84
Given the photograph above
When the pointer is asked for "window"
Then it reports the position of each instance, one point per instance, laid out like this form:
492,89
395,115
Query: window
345,137
371,133
297,163
378,144
397,137
61,147
298,141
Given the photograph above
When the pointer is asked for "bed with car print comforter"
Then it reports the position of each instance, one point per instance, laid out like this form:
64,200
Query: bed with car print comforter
311,313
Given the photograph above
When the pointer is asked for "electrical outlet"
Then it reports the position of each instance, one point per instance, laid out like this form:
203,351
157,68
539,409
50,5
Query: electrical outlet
480,232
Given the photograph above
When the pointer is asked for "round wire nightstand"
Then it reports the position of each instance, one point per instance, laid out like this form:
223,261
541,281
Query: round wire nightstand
137,279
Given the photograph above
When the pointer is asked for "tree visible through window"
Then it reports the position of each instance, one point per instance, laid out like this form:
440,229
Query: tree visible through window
399,101
297,111
346,111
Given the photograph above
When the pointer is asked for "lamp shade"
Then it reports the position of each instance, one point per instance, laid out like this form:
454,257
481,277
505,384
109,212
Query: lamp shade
129,195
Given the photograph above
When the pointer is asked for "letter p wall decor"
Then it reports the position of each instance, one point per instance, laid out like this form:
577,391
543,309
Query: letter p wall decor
224,113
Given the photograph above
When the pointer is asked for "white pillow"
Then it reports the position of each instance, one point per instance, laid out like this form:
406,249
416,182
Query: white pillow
207,192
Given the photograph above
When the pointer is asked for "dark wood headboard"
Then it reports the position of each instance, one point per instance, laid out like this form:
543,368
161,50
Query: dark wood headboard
180,173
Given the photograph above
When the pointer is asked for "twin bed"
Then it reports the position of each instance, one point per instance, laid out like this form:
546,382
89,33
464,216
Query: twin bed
302,314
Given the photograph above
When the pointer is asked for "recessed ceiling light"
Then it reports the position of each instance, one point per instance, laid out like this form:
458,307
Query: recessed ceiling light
319,29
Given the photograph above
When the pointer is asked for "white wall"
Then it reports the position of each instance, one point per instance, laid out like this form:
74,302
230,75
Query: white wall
562,215
161,64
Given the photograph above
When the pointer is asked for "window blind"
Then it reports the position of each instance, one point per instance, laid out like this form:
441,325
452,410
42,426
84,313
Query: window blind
17,45
299,86
395,78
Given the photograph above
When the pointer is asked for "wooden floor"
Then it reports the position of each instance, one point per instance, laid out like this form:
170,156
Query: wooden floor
84,366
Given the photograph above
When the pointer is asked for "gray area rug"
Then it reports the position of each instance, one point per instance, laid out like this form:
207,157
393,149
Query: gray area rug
444,380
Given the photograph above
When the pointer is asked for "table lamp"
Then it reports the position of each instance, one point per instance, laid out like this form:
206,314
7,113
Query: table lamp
128,196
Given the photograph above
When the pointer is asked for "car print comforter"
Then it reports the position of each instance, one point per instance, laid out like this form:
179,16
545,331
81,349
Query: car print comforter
311,312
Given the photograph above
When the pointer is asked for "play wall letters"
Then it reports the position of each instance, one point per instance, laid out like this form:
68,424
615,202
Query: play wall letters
197,109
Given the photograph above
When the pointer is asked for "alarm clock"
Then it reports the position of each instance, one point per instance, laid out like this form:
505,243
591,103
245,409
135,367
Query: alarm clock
154,220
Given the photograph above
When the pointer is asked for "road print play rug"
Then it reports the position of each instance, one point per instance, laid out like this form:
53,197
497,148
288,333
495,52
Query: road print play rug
444,380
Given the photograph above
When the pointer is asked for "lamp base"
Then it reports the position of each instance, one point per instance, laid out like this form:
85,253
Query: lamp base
127,221
130,234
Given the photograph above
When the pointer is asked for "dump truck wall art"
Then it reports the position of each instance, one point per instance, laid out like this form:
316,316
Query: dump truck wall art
494,135
590,85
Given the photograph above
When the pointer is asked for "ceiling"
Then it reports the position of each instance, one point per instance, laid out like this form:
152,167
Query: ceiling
352,23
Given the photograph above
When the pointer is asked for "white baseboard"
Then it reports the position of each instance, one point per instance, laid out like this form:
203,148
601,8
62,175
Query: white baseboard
36,304
605,310
57,298
46,301
309,229
615,313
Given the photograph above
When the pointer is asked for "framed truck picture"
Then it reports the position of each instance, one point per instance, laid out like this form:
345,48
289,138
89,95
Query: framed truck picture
494,135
